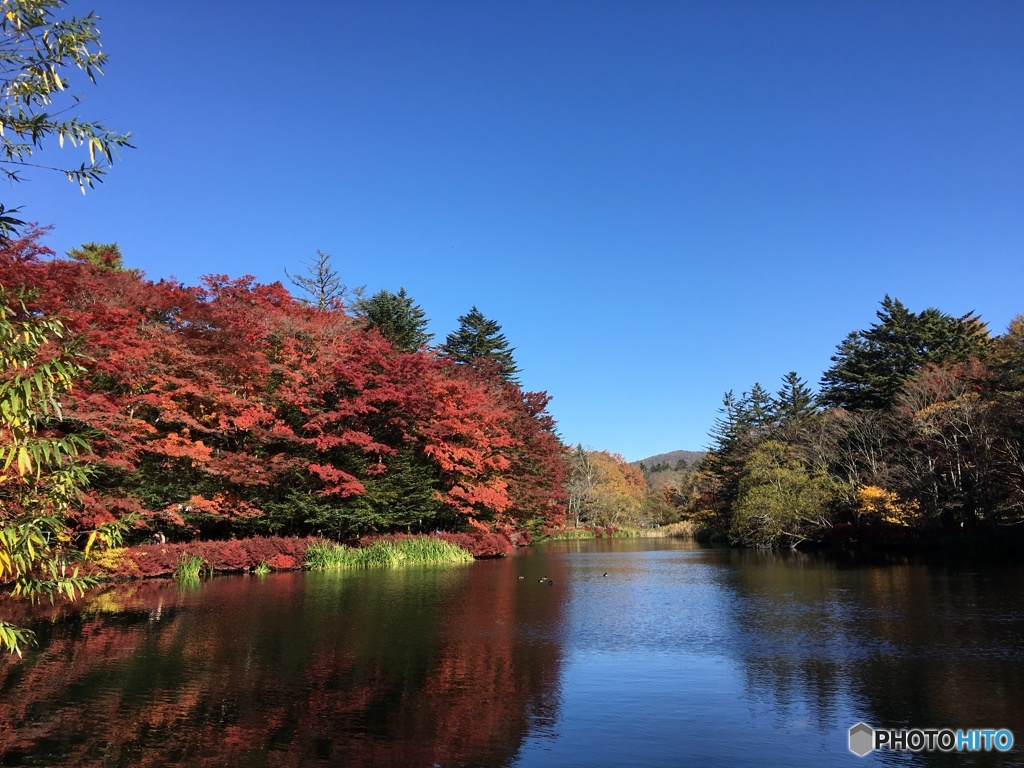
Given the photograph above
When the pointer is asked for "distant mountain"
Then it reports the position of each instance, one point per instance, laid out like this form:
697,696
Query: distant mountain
670,458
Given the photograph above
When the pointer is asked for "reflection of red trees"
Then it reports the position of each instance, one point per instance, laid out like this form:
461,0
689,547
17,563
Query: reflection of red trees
413,667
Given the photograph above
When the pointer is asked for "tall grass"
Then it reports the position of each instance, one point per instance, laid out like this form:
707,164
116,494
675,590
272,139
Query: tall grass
684,529
611,532
570,534
190,568
623,533
324,555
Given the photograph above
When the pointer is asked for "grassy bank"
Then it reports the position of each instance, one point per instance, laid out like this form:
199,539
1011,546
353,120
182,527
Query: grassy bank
596,532
325,555
187,561
683,530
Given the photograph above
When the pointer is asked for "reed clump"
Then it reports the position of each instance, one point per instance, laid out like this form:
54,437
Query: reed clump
684,529
190,568
325,555
570,534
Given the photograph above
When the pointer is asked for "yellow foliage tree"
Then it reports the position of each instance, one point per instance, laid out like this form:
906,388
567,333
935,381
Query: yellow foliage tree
885,506
604,489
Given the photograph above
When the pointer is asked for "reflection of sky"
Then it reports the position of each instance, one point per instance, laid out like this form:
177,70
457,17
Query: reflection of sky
721,658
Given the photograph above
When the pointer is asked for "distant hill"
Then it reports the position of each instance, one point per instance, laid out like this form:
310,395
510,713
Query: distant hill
670,458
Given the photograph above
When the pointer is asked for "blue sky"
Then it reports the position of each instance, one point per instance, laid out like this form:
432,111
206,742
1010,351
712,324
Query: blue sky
658,201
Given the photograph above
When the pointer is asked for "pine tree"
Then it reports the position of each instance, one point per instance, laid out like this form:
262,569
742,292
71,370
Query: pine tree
794,403
478,339
870,366
729,428
398,319
758,409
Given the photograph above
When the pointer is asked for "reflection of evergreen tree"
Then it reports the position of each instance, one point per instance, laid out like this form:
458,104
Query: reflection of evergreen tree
893,645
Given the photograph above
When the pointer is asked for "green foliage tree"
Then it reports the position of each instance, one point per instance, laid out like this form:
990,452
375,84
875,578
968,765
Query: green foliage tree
1009,355
779,501
39,480
102,255
36,50
399,320
403,497
870,366
478,339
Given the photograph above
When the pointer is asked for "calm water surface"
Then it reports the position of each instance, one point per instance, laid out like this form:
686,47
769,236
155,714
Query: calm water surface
678,656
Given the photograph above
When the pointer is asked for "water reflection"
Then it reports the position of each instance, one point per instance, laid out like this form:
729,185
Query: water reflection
905,645
405,667
639,653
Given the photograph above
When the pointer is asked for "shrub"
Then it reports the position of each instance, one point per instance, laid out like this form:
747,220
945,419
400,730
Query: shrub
479,543
278,552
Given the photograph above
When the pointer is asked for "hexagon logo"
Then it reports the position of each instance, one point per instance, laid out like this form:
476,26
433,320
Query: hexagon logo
862,739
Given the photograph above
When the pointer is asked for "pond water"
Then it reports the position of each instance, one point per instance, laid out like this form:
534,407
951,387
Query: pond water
640,653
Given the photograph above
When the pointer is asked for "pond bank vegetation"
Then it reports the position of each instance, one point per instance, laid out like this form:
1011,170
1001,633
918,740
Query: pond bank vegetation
188,561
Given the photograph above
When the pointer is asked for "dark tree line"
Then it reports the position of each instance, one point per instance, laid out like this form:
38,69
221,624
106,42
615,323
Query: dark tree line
916,432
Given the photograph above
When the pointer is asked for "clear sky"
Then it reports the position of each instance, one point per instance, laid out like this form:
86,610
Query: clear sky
658,201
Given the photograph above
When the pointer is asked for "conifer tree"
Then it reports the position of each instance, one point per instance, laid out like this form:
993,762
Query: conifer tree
794,402
399,320
870,366
759,409
726,432
479,339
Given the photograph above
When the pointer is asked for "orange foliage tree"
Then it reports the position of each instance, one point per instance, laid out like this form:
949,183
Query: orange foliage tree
232,408
604,489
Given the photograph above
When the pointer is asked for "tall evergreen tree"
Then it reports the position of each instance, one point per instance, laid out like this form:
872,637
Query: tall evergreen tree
794,402
758,408
398,319
479,339
870,366
730,427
